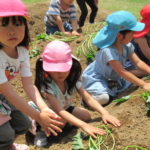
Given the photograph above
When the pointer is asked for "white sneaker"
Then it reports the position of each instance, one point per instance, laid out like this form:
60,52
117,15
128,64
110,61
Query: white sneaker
40,139
16,146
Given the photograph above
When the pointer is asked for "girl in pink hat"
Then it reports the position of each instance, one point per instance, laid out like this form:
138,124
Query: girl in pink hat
14,60
141,42
57,77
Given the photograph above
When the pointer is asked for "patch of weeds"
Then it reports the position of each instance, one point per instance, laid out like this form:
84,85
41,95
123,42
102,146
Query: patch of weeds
34,52
105,142
135,147
146,97
122,99
101,142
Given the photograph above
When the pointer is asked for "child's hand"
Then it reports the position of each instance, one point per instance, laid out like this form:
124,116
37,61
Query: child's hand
91,130
49,123
75,33
146,86
52,113
141,40
67,33
109,118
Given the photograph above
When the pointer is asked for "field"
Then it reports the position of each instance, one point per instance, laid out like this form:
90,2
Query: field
135,127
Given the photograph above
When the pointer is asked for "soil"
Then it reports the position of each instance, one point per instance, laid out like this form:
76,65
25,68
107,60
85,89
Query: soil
135,127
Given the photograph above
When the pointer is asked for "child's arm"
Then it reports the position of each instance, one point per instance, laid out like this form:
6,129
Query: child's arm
142,42
139,63
97,107
74,26
60,25
34,95
116,65
72,119
42,118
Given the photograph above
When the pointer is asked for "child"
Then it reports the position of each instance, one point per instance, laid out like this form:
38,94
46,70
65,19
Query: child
57,75
84,11
141,42
14,60
59,16
113,40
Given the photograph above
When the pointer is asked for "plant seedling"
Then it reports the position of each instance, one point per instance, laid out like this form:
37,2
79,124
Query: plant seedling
122,99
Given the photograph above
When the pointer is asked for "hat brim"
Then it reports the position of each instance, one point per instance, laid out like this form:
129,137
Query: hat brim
105,37
57,67
138,27
144,31
8,14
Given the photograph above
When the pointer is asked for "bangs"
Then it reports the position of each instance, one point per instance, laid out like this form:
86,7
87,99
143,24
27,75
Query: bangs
16,20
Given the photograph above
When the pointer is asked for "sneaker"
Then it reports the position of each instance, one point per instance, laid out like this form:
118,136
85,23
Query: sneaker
79,30
40,139
16,146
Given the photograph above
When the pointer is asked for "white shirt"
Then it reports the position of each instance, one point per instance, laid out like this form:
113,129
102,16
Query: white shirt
10,67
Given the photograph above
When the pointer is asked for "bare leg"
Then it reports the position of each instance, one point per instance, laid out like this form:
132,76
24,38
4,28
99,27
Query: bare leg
82,113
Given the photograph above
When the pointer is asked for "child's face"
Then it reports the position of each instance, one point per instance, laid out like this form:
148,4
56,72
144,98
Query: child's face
59,76
11,32
127,38
148,33
67,2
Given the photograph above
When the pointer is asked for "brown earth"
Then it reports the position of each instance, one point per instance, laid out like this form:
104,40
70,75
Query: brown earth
135,127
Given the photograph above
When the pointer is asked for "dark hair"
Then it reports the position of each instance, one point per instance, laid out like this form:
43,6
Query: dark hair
18,20
73,77
124,32
40,78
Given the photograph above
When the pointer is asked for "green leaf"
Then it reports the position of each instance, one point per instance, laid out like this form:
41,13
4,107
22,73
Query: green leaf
122,99
77,142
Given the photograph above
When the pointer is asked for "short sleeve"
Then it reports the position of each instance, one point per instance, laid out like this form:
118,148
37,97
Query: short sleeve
78,84
131,48
54,8
107,54
3,77
73,12
24,62
50,88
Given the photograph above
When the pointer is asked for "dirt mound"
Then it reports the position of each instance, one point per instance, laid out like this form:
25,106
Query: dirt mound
135,127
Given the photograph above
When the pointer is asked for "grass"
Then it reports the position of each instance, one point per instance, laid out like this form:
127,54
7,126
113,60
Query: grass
31,1
134,6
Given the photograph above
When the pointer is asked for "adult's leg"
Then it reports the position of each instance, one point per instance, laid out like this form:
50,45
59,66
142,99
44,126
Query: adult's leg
94,10
84,12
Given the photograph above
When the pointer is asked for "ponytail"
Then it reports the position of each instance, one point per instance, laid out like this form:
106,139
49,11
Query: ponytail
39,74
74,75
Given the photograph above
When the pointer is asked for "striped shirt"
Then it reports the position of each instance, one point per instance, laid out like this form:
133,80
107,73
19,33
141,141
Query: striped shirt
55,9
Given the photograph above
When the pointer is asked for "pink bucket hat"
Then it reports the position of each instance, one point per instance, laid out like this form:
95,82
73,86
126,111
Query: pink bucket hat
13,8
145,13
57,57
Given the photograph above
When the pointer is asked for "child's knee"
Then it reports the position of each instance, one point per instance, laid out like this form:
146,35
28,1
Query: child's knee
102,99
87,116
82,114
7,135
24,127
